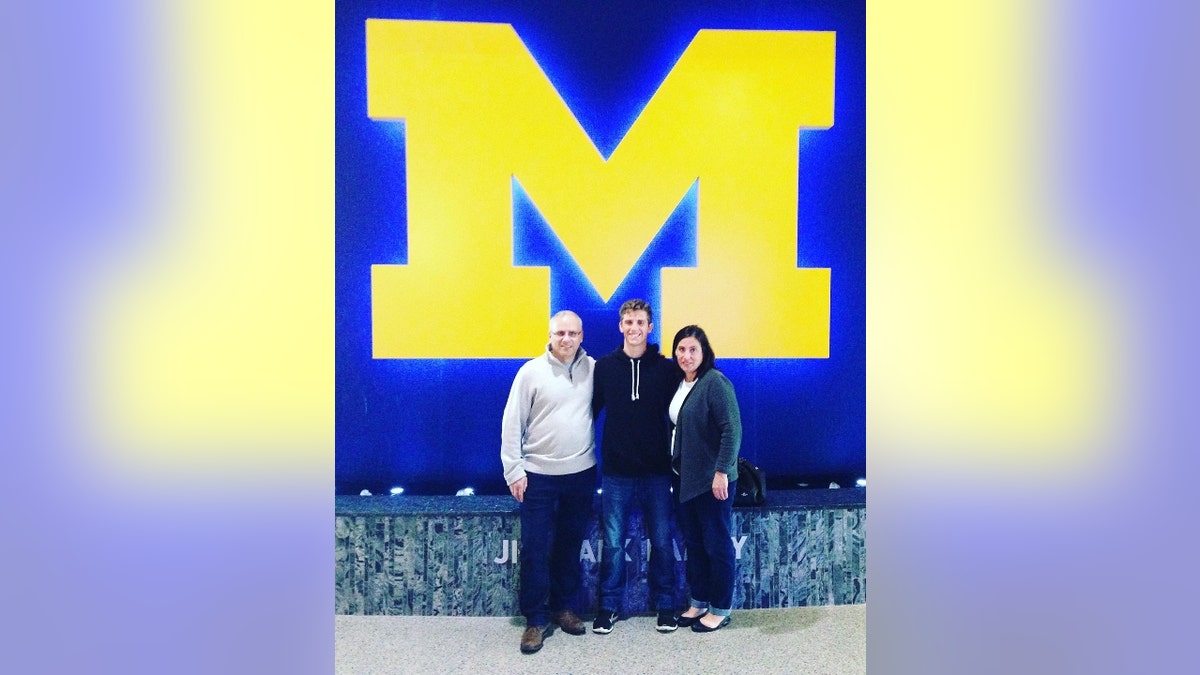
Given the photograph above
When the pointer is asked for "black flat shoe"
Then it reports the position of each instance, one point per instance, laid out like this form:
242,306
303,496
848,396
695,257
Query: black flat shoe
701,628
685,621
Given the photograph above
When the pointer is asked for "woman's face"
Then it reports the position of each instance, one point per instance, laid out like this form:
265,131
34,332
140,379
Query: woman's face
688,355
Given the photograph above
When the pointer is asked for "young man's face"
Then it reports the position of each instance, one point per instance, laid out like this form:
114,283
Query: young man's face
636,327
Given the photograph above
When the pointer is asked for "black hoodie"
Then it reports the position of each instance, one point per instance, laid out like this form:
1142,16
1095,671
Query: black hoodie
634,393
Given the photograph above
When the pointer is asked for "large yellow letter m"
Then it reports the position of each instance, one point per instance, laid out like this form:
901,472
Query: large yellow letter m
480,114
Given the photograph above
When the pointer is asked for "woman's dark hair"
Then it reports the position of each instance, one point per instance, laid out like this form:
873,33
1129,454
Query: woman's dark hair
693,331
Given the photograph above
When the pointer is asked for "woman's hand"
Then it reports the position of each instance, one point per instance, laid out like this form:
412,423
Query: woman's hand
721,486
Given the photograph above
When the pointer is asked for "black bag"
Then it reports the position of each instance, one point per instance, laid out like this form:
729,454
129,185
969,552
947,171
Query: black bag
751,484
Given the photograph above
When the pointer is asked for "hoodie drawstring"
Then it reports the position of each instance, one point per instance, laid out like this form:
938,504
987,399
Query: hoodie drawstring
635,377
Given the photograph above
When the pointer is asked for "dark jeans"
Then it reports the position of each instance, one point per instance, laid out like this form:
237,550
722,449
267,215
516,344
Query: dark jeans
707,524
554,520
652,496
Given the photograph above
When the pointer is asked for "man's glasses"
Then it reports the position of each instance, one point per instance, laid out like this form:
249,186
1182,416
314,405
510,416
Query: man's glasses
566,333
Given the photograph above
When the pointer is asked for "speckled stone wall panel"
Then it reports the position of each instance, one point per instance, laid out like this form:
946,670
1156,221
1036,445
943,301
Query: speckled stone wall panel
795,558
465,563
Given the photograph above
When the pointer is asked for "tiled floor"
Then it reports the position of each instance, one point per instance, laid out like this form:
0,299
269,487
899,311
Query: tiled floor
828,639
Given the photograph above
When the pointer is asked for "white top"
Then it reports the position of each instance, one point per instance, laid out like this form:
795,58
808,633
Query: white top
681,393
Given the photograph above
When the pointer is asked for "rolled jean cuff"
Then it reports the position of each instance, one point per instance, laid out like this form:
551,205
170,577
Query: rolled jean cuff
720,612
699,605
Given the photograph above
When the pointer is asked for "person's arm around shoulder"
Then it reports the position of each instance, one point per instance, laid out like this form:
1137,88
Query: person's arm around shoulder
597,388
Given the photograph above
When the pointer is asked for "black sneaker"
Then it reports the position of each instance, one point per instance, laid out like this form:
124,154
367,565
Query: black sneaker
604,621
666,621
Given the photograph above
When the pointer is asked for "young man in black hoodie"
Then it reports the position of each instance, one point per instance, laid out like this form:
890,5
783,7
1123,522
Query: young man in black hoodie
634,385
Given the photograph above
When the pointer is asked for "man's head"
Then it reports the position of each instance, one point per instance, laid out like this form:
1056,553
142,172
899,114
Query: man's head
636,324
566,334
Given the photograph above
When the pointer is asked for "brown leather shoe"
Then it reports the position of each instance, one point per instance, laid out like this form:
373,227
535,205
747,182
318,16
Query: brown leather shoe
531,641
569,622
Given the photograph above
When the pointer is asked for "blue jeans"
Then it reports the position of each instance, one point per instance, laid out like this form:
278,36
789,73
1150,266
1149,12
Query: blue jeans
707,524
554,519
652,496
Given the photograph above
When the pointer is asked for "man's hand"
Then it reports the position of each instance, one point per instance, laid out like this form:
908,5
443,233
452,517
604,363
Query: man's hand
721,486
517,488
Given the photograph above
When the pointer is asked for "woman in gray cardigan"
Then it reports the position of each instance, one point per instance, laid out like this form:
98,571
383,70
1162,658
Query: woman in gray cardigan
704,452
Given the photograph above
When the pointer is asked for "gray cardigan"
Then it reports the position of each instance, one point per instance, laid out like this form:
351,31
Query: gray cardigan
708,435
